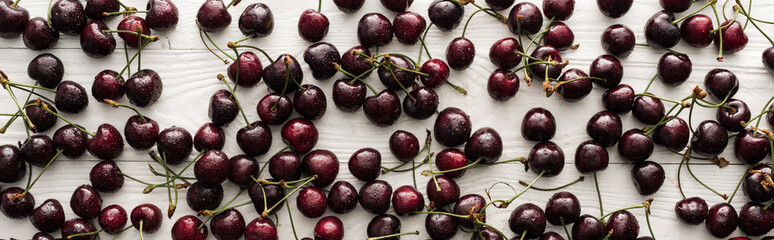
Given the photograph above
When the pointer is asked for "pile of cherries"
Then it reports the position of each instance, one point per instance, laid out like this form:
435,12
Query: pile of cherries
309,174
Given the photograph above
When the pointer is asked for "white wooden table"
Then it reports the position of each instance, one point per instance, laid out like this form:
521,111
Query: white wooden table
188,71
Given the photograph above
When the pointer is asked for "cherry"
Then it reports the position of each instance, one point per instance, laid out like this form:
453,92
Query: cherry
551,236
396,5
162,15
660,32
722,220
605,128
86,202
16,208
209,136
285,166
674,134
484,144
562,208
383,225
78,226
768,59
404,145
623,225
39,35
608,69
241,168
320,57
38,150
112,219
648,110
499,5
471,203
734,38
276,74
94,41
696,30
731,118
619,99
441,226
70,140
460,53
408,27
503,53
382,109
257,20
108,85
42,236
648,177
375,196
175,143
751,147
12,166
144,88
48,217
342,197
132,24
527,219
452,127
754,219
692,210
187,227
13,19
203,197
141,132
752,187
618,40
560,36
720,83
47,69
446,15
260,229
574,85
635,146
355,63
255,140
538,71
228,225
502,85
273,109
587,228
348,96
614,9
349,6
269,195
448,194
310,102
250,69
311,202
675,6
392,75
365,164
300,134
546,157
590,156
321,163
211,168
68,17
674,68
374,29
407,199
313,25
213,16
329,228
105,177
709,139
559,10
71,97
538,124
530,22
449,159
95,9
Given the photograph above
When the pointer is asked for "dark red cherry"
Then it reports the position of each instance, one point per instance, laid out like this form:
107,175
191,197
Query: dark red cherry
77,226
546,157
452,127
13,19
460,53
487,233
68,17
241,168
16,208
441,226
614,9
47,69
353,62
404,145
257,20
133,23
407,199
71,97
674,68
108,85
499,5
538,71
485,144
618,40
709,138
187,227
268,194
86,202
321,58
261,229
675,6
329,228
559,35
438,71
619,99
471,203
551,236
348,97
313,25
310,102
39,35
752,187
321,163
365,164
228,225
300,134
162,15
38,150
203,197
588,228
734,38
383,225
311,202
396,5
94,9
42,236
502,85
692,210
276,74
721,83
391,75
254,140
144,88
605,127
609,69
213,16
96,43
446,15
424,107
105,177
623,225
538,124
375,196
342,197
70,140
558,10
451,158
12,166
48,217
731,119
211,168
408,27
590,156
374,29
274,109
754,219
527,219
696,30
768,59
250,69
349,6
175,143
751,147
141,132
722,220
660,32
382,109
562,207
149,214
648,177
285,166
674,134
648,110
209,136
503,53
575,85
530,22
448,194
635,146
112,219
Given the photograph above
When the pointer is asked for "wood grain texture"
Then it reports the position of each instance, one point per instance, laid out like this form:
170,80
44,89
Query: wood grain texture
188,71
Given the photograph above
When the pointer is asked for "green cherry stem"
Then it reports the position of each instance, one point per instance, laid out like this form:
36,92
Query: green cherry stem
233,94
45,108
430,172
48,13
394,169
623,209
647,220
116,105
85,234
233,3
564,226
29,186
269,161
141,36
202,35
234,45
424,46
122,231
29,86
599,196
650,83
15,3
19,113
31,92
392,73
738,184
688,167
739,8
579,179
126,12
391,235
141,222
241,190
465,29
266,212
290,216
710,2
762,112
128,63
172,206
508,202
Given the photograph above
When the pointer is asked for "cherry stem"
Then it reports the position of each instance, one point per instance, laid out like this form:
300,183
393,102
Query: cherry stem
85,234
127,12
238,70
134,179
207,35
148,37
564,226
126,55
688,167
116,105
647,220
319,8
391,235
29,186
241,190
720,34
738,184
465,29
19,112
429,172
763,111
129,62
650,83
141,222
423,45
178,175
252,35
45,108
122,231
548,26
29,86
710,2
409,70
356,78
507,202
233,94
156,158
268,161
665,119
15,3
267,211
393,169
31,92
141,47
739,8
215,212
599,195
622,209
609,234
281,183
233,3
48,13
457,88
475,219
580,179
172,206
124,6
392,73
